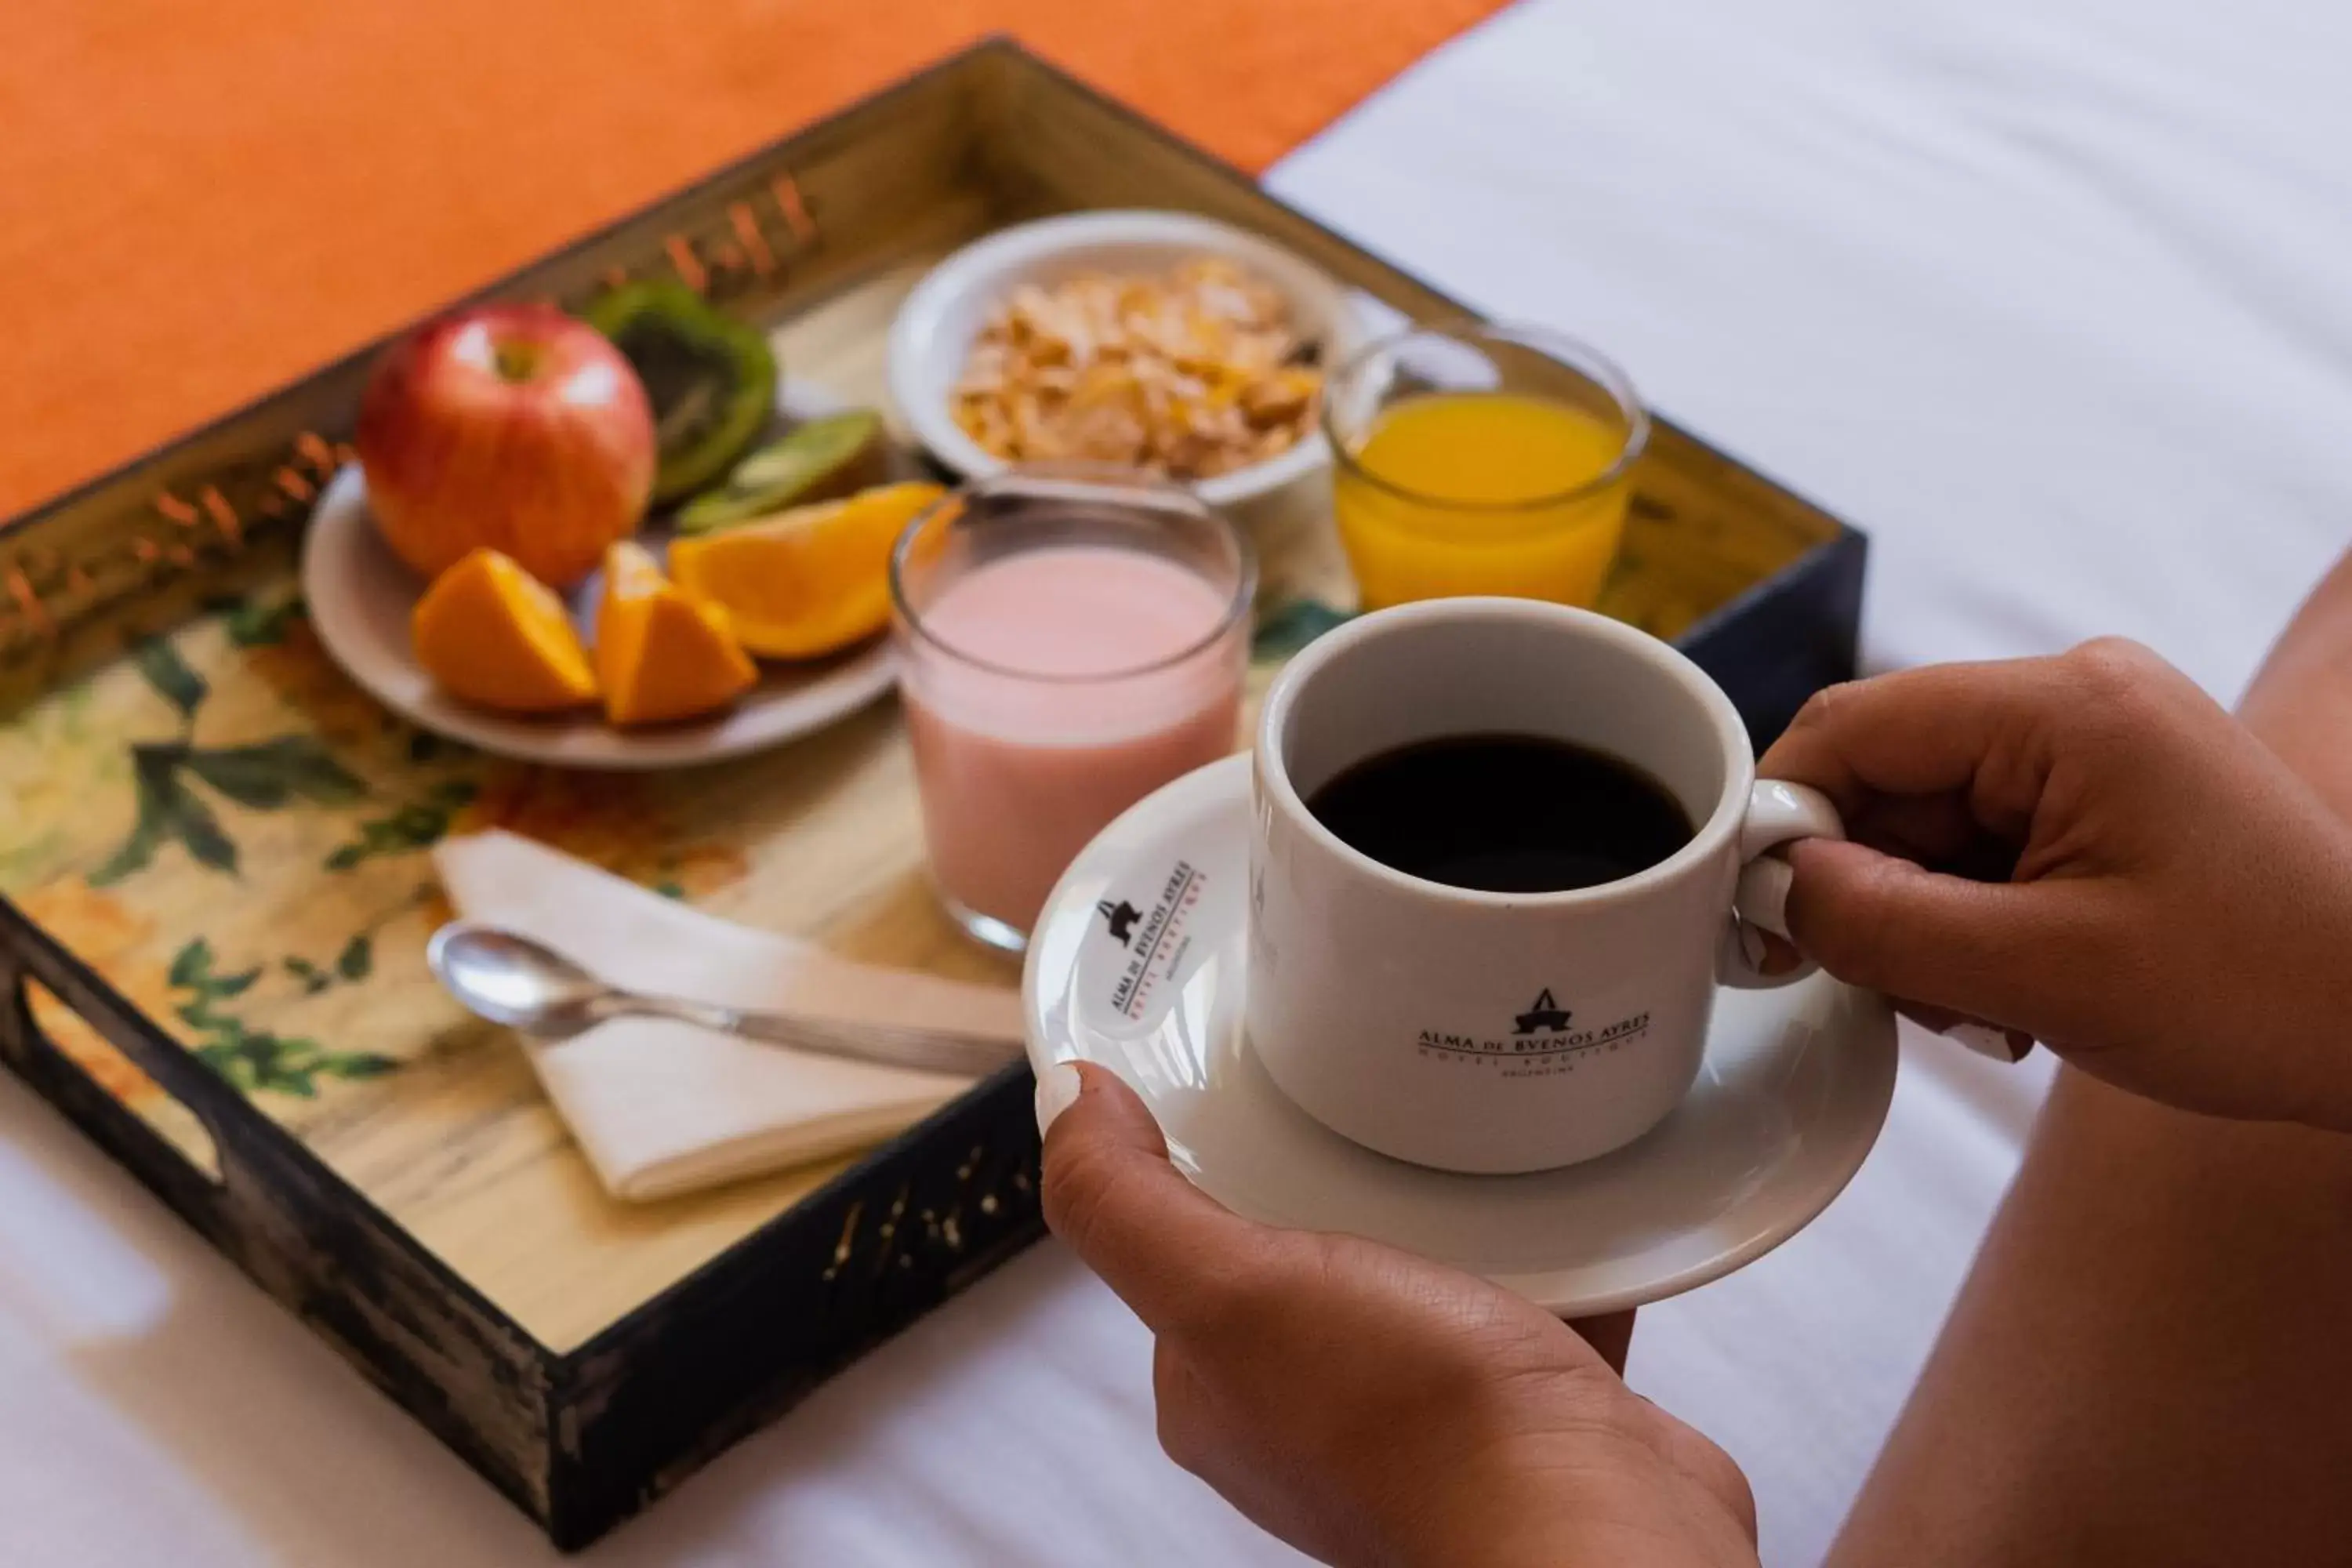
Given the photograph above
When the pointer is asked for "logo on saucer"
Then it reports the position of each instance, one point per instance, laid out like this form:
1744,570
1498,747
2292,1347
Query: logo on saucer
1158,943
1121,918
1543,1014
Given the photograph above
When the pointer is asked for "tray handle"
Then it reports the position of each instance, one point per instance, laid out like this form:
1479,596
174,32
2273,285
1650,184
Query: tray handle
302,1232
190,1154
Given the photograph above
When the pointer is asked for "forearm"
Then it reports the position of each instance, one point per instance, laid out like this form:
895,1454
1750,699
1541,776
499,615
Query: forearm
1610,1499
2300,702
1551,1540
2300,706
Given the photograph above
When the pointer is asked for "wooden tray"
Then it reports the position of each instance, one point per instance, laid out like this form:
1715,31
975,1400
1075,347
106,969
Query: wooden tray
217,890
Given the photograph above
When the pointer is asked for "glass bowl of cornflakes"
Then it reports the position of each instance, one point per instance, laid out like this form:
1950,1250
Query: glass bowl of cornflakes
1163,341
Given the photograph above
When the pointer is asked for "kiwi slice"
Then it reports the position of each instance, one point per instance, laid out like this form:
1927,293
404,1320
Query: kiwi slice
711,380
833,455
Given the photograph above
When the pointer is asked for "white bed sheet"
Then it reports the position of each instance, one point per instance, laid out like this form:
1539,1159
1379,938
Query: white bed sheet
2051,298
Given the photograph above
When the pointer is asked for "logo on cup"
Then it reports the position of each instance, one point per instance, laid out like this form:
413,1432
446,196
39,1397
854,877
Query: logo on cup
1120,918
1543,1014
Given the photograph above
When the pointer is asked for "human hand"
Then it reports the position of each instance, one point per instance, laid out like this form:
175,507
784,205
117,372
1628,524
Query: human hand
2089,849
1366,1405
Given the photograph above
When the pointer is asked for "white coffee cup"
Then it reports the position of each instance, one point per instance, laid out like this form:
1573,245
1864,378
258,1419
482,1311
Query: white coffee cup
1502,1032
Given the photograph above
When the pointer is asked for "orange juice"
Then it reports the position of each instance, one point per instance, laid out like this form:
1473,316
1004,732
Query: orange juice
1482,492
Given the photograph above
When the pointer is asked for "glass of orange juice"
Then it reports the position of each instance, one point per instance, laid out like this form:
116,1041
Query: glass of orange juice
1480,460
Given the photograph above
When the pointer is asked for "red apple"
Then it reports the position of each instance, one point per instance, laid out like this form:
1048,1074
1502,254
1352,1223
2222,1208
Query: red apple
514,427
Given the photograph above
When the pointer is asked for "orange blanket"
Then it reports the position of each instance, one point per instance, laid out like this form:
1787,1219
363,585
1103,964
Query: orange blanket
204,200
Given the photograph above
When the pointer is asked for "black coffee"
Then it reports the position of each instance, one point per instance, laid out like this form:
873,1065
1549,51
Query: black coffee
1503,813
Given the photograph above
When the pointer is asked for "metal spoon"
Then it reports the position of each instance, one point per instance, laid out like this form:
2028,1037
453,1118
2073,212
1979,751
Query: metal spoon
526,985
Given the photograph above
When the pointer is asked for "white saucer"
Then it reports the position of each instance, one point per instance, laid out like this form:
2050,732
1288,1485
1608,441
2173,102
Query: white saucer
1793,1092
361,594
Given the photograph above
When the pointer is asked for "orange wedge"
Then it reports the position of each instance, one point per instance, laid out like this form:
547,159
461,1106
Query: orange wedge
662,654
807,581
491,633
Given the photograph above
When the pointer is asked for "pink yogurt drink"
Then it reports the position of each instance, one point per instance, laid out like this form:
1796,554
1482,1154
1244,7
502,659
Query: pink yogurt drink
1047,689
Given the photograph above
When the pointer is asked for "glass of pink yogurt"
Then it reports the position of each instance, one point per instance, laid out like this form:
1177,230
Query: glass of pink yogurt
1071,638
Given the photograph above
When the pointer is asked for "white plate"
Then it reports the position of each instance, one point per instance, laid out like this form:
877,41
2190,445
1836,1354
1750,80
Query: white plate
361,594
932,335
1792,1093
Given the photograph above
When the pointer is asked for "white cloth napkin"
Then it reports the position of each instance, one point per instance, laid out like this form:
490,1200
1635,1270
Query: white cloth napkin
662,1108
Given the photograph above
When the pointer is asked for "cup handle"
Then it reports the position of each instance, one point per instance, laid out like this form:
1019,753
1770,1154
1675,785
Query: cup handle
1778,814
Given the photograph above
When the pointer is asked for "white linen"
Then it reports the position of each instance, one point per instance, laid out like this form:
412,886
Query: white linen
661,1108
2049,298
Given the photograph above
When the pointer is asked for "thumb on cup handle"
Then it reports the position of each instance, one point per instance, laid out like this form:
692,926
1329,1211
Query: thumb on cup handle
1777,812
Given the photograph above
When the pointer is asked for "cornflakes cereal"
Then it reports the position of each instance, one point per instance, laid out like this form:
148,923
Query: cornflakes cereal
1191,372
